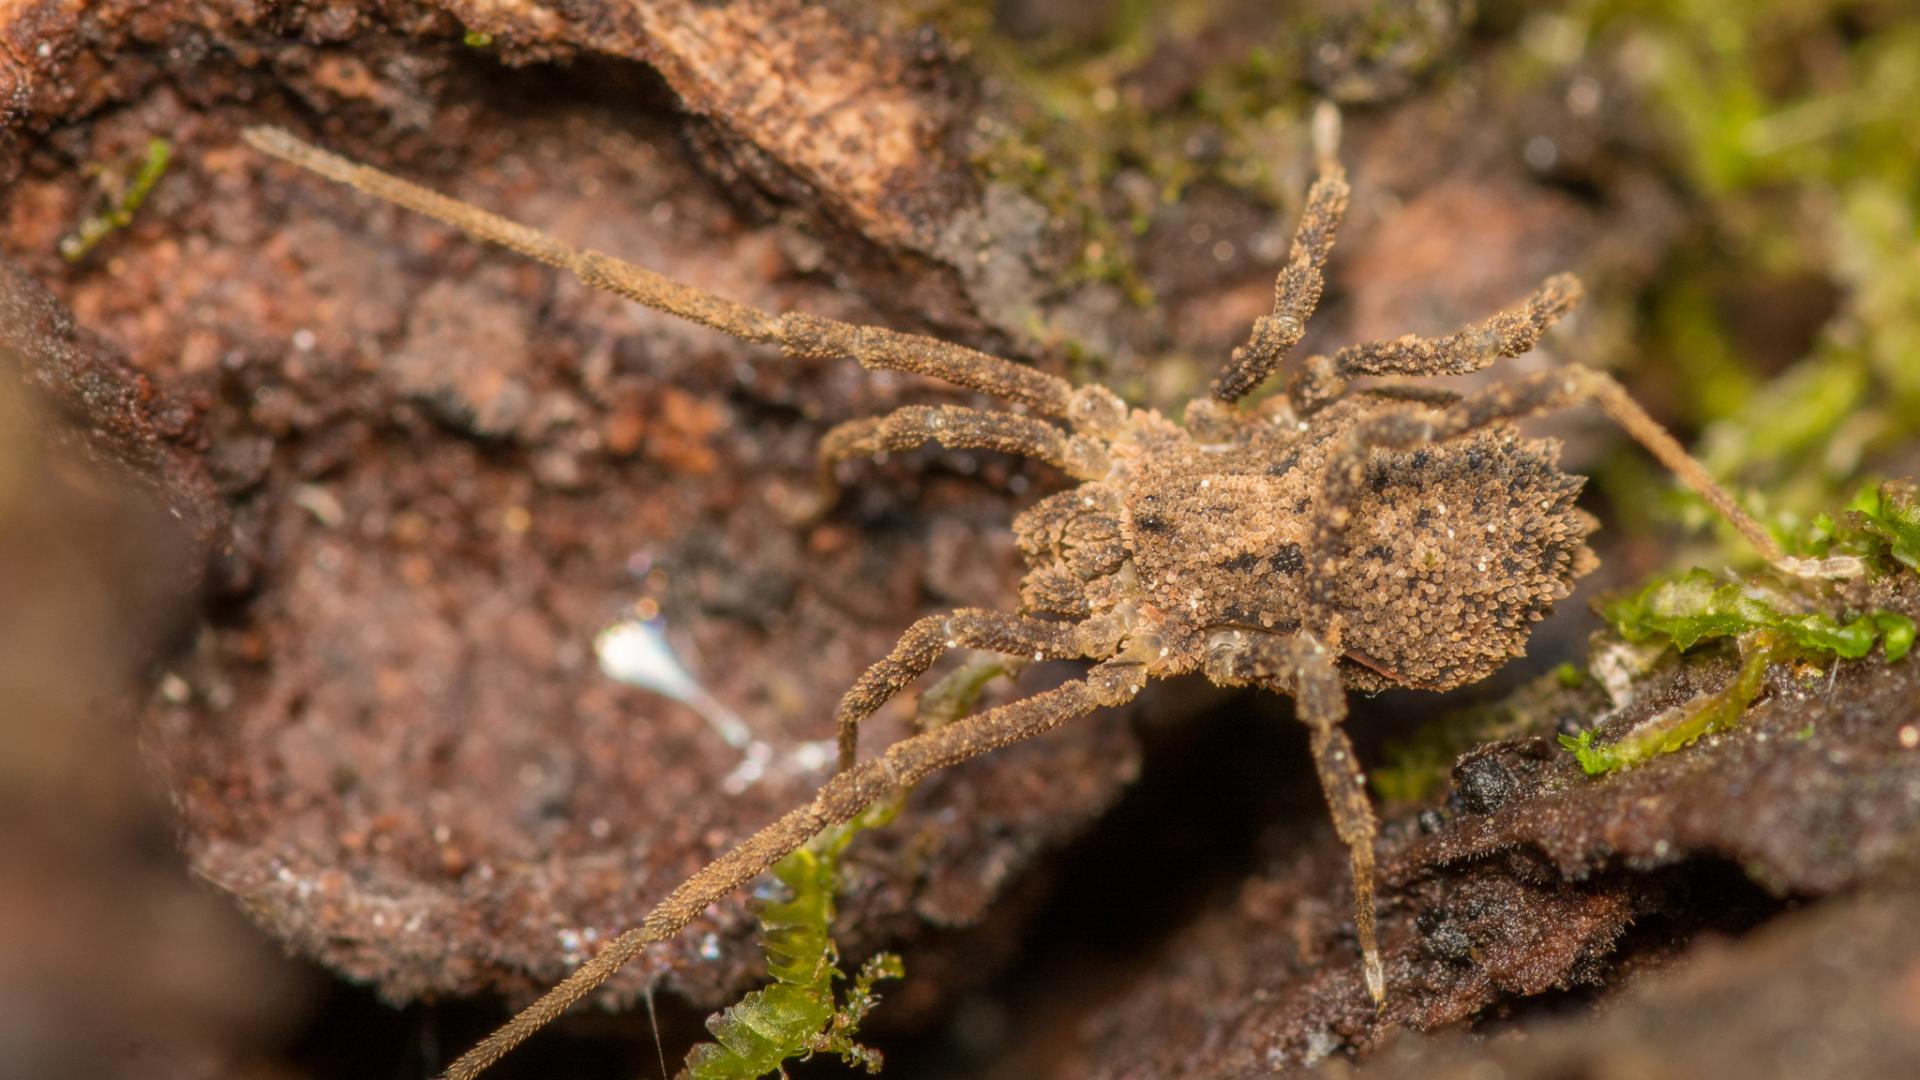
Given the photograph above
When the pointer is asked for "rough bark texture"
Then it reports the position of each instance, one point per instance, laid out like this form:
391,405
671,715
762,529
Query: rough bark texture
1549,881
447,471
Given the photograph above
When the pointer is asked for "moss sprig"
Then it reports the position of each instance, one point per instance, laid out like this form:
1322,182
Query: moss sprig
798,1015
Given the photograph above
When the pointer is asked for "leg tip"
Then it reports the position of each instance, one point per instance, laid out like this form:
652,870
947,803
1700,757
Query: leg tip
1376,981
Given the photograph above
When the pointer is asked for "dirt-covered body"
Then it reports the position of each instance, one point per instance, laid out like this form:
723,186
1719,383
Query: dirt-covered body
1457,549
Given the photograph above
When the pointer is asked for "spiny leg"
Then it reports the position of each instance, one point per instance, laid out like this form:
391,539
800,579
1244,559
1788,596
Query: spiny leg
1526,396
929,638
796,333
1301,665
1297,290
957,428
840,798
1510,333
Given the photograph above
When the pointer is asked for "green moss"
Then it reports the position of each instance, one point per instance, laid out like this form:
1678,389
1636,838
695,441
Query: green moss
1072,113
477,39
119,214
1801,171
1880,526
797,1016
1677,728
957,692
1770,623
1698,606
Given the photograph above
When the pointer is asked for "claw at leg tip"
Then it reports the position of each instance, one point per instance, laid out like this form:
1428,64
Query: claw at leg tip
1376,981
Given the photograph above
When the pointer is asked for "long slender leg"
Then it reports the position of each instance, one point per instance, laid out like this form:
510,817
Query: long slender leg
1510,333
1300,664
1297,290
796,333
929,638
1526,396
846,794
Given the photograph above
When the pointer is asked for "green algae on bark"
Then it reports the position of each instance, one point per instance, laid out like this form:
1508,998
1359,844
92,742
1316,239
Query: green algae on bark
124,204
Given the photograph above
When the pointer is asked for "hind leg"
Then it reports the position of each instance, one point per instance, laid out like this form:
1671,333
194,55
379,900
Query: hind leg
1299,664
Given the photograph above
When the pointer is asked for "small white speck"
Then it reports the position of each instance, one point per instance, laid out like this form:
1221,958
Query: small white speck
1037,657
710,947
1541,153
175,690
1583,95
1205,484
599,828
44,50
1661,848
322,504
814,756
1910,737
753,766
303,339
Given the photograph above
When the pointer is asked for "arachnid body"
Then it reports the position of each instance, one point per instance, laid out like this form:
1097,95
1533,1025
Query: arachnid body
1327,539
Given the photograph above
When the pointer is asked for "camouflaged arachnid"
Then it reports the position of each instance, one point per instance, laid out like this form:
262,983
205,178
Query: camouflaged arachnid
1328,538
1453,551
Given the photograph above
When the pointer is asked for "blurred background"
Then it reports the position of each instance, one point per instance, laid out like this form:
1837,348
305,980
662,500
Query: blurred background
310,513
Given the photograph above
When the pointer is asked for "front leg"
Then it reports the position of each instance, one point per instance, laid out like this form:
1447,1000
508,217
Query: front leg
1299,664
935,635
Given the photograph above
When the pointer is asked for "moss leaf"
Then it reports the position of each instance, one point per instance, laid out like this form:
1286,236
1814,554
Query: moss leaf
797,1016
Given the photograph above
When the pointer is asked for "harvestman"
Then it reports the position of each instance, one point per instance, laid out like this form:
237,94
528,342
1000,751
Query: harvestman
1328,538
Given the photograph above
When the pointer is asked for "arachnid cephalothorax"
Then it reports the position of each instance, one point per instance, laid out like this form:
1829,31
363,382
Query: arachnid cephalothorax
1329,538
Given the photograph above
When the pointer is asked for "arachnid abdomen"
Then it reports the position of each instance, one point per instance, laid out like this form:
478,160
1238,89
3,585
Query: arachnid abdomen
1454,551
